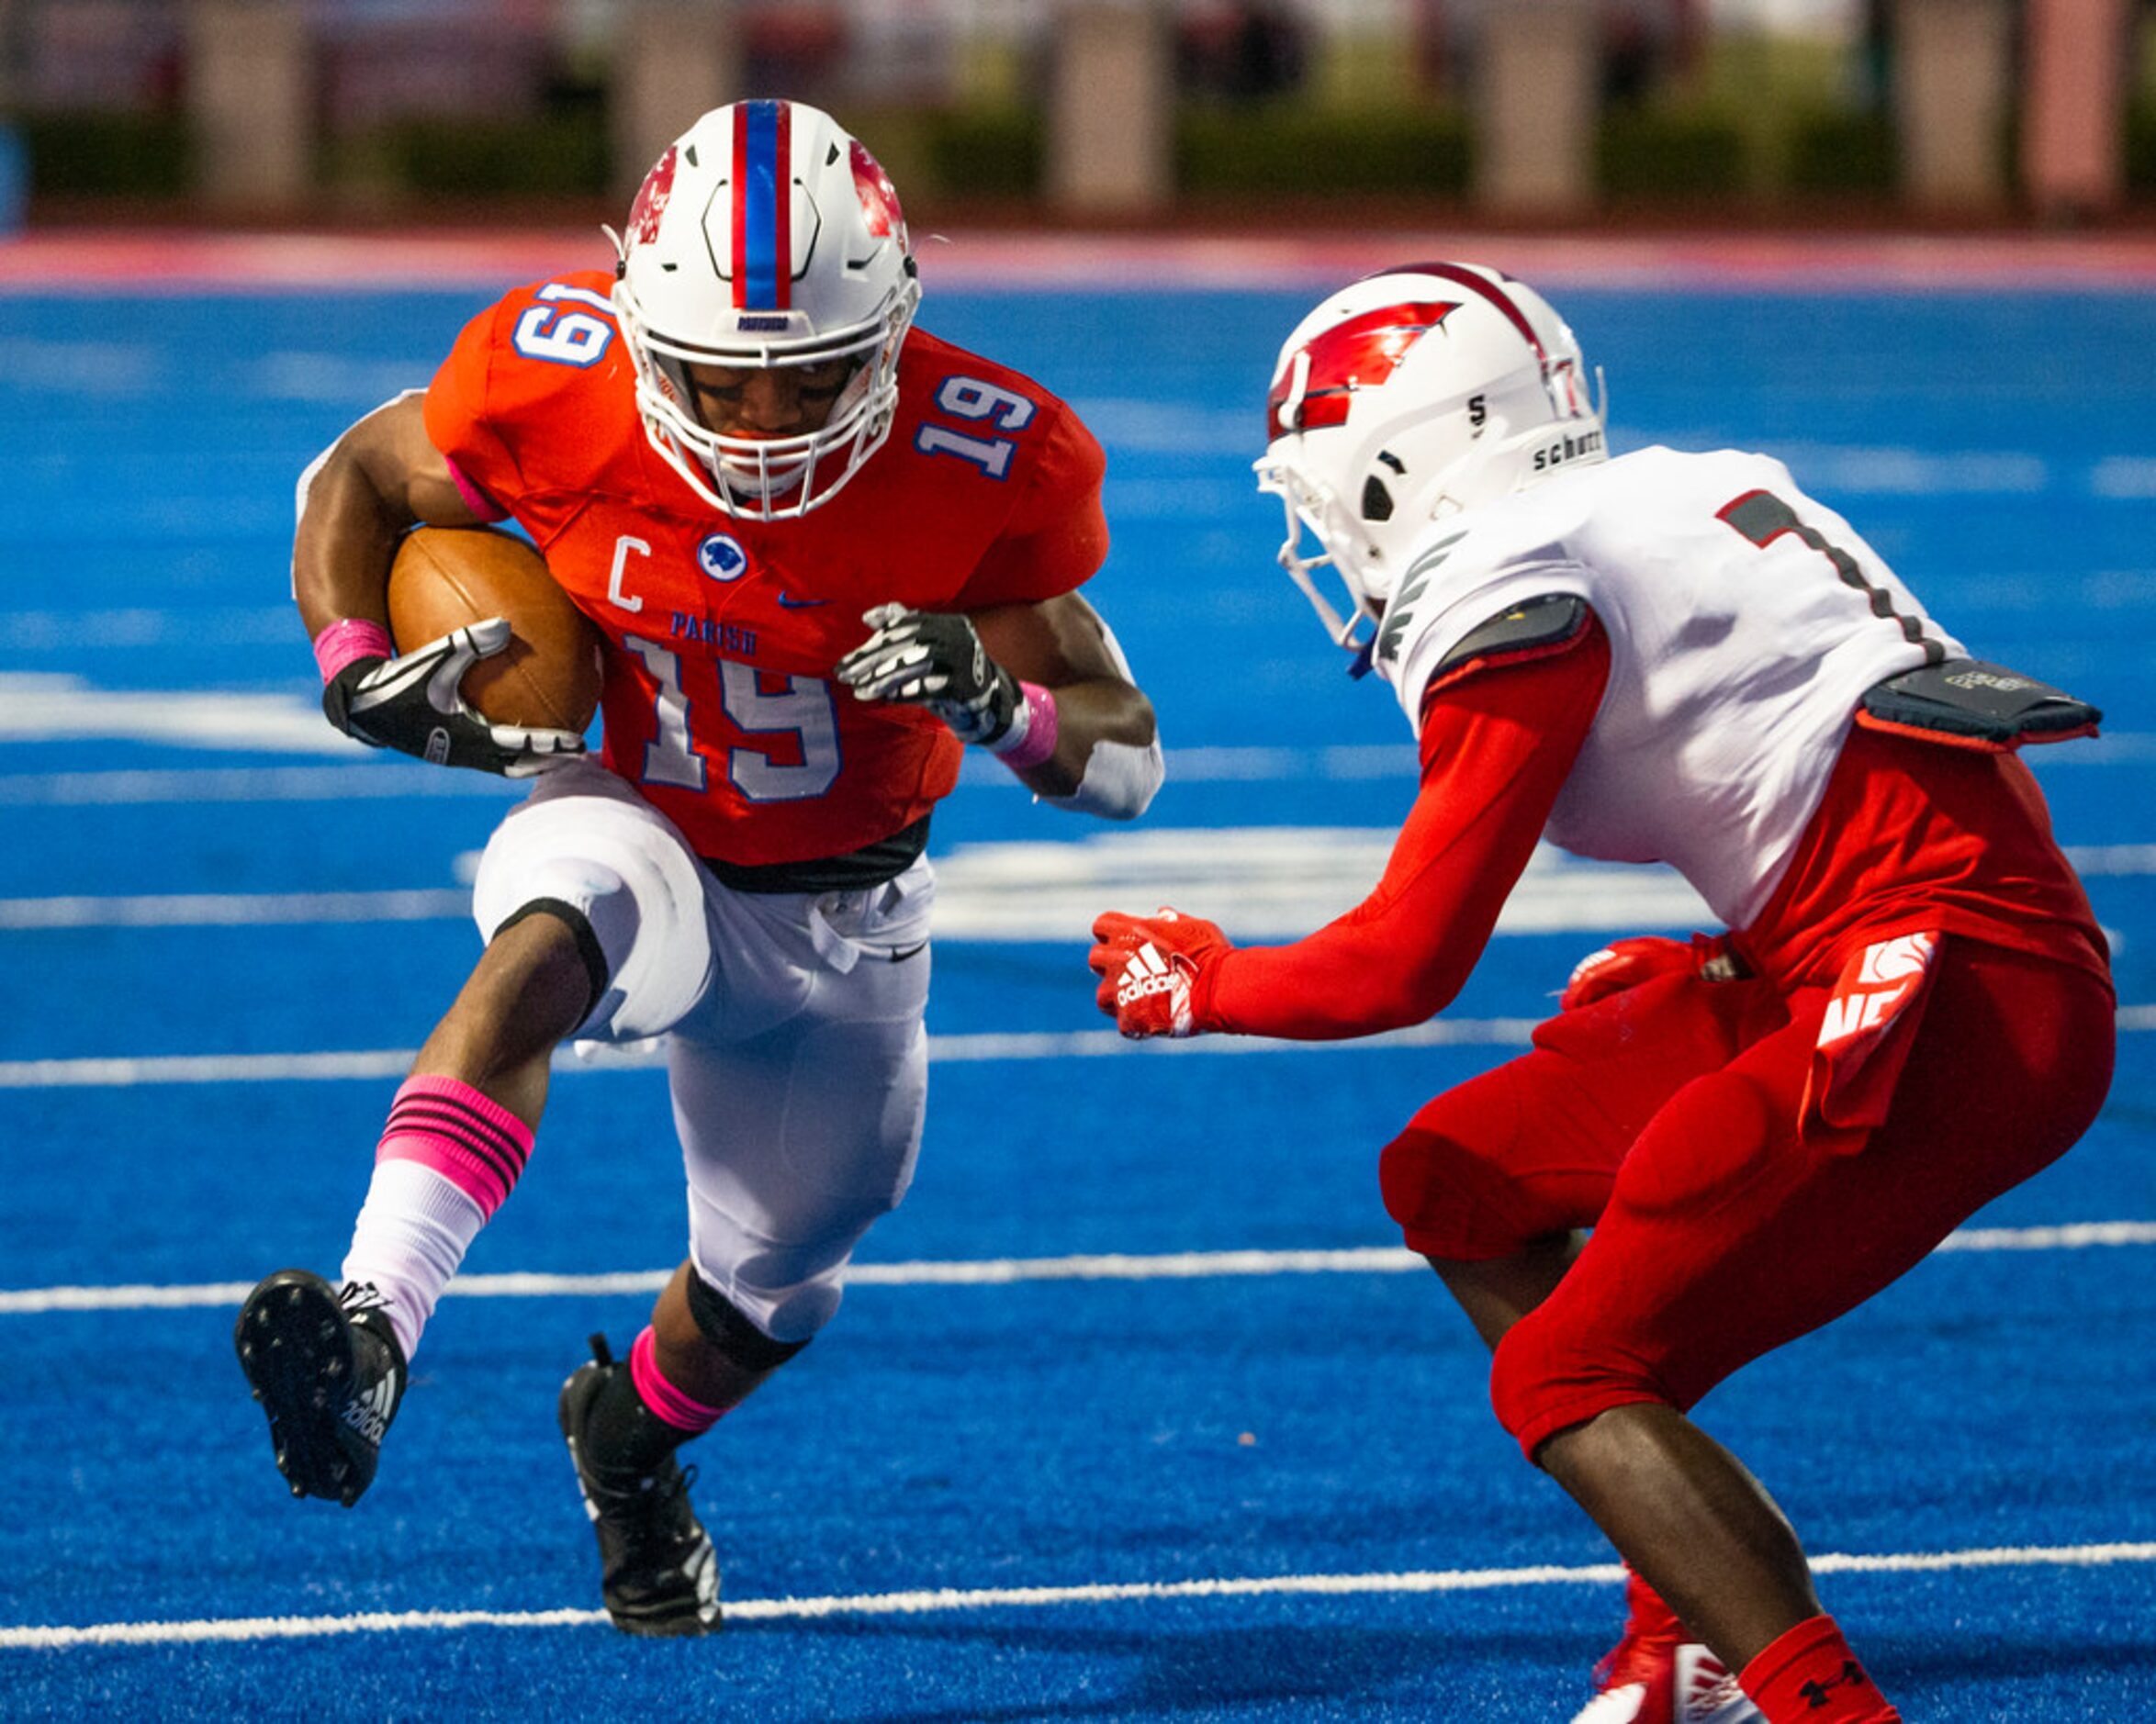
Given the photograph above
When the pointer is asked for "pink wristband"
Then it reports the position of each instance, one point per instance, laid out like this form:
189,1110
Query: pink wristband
354,637
1038,740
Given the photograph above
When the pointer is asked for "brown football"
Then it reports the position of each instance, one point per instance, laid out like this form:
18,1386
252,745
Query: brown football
548,676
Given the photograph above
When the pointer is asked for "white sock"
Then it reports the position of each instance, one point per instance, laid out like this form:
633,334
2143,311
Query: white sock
412,1232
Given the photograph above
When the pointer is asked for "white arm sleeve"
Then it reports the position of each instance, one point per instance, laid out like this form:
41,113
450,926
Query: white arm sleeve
1119,781
1120,777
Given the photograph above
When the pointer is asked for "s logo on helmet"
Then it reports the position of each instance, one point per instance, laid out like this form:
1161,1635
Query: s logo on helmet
651,199
721,556
1359,353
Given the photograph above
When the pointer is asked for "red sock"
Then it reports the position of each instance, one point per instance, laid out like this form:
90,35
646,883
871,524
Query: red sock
1809,1676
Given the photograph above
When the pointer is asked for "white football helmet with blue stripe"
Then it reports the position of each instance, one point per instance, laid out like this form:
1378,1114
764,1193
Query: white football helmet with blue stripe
766,236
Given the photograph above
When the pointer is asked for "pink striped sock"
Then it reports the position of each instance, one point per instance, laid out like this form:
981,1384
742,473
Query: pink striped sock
475,1144
666,1402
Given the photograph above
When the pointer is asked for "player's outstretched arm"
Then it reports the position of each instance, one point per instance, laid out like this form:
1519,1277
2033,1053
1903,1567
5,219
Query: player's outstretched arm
1497,748
375,483
1043,686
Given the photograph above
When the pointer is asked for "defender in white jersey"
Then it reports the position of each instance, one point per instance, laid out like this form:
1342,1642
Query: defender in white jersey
1678,659
1742,657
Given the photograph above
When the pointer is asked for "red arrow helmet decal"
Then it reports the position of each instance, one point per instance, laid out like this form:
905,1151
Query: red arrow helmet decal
1359,354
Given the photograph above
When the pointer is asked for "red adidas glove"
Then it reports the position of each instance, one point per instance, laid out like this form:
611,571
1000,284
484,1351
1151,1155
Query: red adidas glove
1148,966
1624,963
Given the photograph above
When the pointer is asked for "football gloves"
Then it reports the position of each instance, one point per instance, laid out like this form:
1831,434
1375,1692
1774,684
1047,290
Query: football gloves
1624,963
1148,966
934,659
412,703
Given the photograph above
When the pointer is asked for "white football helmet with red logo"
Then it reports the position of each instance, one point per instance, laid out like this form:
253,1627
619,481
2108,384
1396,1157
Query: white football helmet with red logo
1410,396
766,236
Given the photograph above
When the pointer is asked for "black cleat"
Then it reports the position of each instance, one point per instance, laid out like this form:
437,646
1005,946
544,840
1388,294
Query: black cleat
327,1369
657,1570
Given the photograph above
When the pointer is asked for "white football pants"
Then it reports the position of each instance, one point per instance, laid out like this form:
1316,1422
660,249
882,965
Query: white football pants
798,1061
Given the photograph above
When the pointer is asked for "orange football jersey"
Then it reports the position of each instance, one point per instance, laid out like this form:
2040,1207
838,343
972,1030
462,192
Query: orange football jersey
719,704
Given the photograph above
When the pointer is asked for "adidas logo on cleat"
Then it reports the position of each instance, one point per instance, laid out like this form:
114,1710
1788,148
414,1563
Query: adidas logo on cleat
368,1414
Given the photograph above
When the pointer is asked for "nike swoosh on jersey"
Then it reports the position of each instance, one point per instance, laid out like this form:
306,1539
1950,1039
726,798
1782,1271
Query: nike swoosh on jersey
787,601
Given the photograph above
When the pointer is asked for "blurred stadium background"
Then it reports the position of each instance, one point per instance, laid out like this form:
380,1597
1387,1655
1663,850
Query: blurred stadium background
1867,113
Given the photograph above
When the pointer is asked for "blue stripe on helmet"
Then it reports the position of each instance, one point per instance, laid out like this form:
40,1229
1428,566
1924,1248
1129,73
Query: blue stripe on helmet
762,177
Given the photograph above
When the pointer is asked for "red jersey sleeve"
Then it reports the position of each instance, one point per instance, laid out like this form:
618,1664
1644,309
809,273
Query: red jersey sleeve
1497,744
458,418
529,394
1057,535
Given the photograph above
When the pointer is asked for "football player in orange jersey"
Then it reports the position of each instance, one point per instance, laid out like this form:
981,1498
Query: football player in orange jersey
827,552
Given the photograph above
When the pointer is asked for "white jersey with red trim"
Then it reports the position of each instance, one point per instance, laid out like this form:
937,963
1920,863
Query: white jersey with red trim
1746,622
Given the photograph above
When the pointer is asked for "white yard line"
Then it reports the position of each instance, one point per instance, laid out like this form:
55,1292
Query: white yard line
946,1601
382,778
126,1070
1003,1271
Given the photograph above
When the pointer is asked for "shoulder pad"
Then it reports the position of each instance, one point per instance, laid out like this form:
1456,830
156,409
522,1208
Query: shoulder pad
1526,630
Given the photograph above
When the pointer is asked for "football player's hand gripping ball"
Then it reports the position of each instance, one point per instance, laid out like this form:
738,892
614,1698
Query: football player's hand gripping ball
412,703
1148,966
1624,963
934,659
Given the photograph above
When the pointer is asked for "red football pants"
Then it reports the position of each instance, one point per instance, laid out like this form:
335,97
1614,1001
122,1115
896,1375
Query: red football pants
1666,1118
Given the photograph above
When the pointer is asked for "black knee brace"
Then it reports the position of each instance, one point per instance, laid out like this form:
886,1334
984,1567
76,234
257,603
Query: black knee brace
579,926
733,1334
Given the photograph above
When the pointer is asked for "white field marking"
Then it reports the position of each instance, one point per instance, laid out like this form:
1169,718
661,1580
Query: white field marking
387,778
1259,882
1373,1259
1863,471
1137,426
37,706
2112,859
232,909
1263,882
2113,748
77,368
373,780
334,379
384,779
124,1072
944,1600
138,626
2123,476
